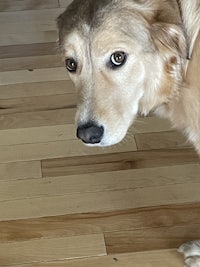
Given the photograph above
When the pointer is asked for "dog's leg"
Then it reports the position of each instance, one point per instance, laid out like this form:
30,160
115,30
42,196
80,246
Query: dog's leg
191,252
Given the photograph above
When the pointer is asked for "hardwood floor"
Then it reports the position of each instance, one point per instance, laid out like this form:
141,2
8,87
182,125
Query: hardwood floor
63,204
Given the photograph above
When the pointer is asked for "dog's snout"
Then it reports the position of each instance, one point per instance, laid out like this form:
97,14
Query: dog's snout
90,133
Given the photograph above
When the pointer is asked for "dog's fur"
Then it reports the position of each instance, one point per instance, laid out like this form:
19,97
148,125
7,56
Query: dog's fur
191,252
158,36
161,39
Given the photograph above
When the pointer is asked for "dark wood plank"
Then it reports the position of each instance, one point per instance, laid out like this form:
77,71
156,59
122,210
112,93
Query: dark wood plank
161,258
19,5
151,238
110,223
161,140
37,103
30,63
28,50
118,161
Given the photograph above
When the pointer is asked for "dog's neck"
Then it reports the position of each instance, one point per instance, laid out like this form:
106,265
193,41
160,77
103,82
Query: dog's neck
184,109
180,101
167,104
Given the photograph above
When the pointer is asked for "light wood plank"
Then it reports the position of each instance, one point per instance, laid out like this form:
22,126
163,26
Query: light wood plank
30,15
163,258
57,197
28,38
151,124
169,139
151,238
37,135
20,170
30,26
38,75
36,89
30,63
43,250
99,201
47,150
52,133
37,118
103,222
18,5
54,117
99,182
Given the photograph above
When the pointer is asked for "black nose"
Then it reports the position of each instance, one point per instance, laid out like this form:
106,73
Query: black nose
90,133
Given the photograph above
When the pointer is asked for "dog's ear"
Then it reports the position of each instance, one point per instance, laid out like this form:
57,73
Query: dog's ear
169,37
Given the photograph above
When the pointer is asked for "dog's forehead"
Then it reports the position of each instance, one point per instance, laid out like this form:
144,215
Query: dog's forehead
76,36
94,14
101,40
77,44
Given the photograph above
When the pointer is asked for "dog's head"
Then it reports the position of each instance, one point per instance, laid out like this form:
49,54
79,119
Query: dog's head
122,60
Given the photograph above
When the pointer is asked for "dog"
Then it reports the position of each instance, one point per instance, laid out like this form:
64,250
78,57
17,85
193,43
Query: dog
191,252
129,57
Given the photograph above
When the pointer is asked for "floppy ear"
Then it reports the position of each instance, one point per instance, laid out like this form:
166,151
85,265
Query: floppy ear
170,37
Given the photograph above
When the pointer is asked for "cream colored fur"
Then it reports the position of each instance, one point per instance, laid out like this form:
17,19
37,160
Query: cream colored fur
191,19
191,252
153,79
157,36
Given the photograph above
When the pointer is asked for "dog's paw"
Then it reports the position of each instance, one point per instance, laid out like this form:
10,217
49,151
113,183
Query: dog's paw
191,252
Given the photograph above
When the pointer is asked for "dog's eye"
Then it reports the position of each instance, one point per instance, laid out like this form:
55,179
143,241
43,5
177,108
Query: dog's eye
71,64
117,59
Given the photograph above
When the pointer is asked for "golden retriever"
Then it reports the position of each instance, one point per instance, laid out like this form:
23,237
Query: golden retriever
133,56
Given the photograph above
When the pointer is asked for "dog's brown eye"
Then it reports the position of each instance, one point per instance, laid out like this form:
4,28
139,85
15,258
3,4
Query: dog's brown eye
71,64
117,59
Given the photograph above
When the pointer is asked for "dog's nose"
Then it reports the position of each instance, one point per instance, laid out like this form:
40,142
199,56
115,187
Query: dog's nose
90,133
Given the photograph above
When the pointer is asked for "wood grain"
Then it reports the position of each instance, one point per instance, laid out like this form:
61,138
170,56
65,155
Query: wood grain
28,38
162,140
102,222
37,103
29,50
118,161
103,182
43,250
37,135
99,201
18,5
20,170
48,150
38,75
59,198
30,63
153,258
30,26
30,15
150,239
56,132
37,118
36,89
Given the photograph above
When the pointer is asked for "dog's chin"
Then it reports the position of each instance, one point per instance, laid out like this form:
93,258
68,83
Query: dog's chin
107,142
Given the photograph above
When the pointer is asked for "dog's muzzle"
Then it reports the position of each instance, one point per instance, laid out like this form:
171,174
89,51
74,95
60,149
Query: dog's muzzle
90,133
